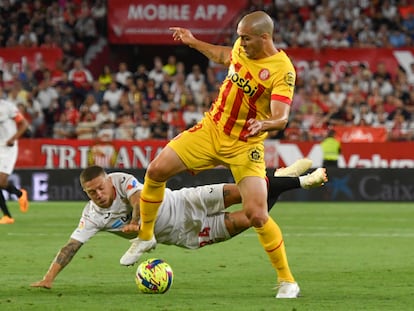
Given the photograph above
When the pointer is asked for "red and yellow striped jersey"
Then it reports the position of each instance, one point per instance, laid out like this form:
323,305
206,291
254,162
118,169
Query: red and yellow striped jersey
248,88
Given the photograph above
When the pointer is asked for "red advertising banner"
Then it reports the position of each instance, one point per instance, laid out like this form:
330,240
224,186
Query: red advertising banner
148,22
342,58
63,154
361,134
18,57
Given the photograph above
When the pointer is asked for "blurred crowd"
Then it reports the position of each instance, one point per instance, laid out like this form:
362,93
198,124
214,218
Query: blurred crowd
162,97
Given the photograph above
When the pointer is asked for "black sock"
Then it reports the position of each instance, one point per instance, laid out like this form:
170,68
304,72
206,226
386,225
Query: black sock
13,190
277,185
3,205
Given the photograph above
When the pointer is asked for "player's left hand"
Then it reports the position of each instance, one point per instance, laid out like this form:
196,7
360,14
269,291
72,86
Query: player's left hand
10,143
255,127
42,283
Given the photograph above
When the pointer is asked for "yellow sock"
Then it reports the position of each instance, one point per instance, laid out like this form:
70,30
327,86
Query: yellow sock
151,197
270,236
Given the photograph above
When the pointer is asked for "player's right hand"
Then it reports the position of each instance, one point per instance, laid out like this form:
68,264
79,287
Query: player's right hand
130,228
182,34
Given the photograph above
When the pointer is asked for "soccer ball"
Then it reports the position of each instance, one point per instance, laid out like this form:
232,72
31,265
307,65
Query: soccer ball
154,276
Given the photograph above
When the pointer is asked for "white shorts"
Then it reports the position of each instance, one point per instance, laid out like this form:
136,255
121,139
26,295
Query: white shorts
8,158
192,217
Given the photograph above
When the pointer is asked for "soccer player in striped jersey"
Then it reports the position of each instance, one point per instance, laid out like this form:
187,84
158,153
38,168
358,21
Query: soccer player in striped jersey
253,99
189,217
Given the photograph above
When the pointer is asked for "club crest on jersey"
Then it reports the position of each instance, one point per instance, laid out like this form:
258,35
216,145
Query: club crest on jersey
255,155
290,79
264,74
81,225
241,83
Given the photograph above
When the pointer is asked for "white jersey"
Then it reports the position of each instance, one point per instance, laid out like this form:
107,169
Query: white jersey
189,217
8,111
8,128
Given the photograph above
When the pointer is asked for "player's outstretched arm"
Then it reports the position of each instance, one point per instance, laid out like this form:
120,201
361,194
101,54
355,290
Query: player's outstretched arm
61,260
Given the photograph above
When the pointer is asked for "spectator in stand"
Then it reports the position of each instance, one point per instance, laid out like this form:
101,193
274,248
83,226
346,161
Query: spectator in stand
156,73
407,23
308,37
28,38
137,112
46,94
19,93
170,68
96,92
34,109
364,117
381,71
337,96
71,112
318,129
178,88
134,95
112,95
125,127
85,28
82,80
105,114
175,120
63,129
159,128
279,42
399,108
98,13
195,81
64,88
124,105
8,76
191,115
57,73
397,38
105,77
12,34
122,75
68,57
398,129
380,118
90,104
143,130
87,126
106,131
294,131
141,73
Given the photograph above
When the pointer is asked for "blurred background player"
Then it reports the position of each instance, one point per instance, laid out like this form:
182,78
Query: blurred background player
331,149
12,126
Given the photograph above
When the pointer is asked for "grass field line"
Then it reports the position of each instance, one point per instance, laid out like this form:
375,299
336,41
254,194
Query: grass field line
249,235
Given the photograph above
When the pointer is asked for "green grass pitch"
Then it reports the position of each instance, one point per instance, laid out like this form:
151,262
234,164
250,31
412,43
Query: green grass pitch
345,256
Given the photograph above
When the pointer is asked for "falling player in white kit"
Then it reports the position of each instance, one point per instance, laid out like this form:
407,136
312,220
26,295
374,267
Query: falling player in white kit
12,126
190,217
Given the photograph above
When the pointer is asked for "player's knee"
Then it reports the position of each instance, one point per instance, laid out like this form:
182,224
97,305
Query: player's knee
155,171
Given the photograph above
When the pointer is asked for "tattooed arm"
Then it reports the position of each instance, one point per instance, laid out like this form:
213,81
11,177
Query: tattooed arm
61,260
